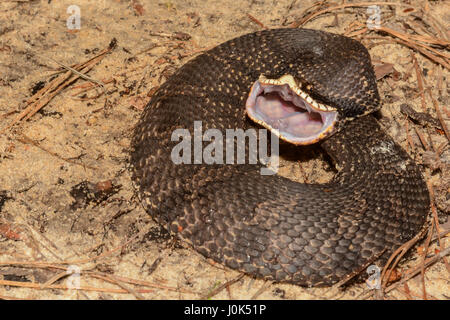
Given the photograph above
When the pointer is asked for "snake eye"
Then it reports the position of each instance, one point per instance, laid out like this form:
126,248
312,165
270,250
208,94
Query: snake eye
282,107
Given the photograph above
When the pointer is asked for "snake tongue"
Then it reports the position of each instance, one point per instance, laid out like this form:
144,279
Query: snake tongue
285,113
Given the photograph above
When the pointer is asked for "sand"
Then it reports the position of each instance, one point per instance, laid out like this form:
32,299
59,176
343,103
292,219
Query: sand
78,144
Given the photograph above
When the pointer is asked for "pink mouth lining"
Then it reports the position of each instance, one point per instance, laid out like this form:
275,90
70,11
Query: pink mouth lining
292,118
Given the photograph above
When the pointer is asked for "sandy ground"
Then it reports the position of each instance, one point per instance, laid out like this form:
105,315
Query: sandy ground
78,144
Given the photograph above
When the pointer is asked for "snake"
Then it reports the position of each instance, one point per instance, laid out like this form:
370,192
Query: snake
301,86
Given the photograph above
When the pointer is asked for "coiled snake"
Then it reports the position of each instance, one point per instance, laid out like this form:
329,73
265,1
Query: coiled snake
305,86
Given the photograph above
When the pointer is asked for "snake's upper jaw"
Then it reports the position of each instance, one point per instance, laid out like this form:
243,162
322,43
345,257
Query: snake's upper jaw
282,107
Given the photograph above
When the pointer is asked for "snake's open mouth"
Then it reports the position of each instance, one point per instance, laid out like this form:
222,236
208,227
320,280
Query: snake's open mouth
282,107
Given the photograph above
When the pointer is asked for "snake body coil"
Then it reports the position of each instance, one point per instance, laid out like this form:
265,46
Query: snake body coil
267,225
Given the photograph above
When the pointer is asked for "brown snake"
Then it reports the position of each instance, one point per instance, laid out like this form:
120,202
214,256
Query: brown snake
269,226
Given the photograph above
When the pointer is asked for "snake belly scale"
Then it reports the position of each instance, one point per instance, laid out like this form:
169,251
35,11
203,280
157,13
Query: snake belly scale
269,226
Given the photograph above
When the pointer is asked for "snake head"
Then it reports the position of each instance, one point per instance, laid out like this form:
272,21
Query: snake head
324,81
281,106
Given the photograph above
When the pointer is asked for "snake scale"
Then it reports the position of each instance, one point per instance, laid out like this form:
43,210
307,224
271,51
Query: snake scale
269,226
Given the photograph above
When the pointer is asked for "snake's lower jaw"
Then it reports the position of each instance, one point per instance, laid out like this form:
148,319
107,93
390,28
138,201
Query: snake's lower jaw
283,108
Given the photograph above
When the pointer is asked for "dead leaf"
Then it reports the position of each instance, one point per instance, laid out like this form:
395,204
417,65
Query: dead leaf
383,70
8,232
138,8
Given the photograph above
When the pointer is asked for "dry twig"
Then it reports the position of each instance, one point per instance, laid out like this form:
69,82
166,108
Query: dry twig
43,96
